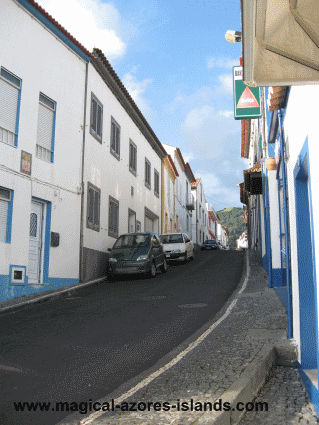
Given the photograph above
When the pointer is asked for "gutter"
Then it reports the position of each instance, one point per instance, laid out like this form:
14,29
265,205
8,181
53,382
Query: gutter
82,177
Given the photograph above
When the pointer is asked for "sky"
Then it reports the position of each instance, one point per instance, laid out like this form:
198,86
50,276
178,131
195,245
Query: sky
173,59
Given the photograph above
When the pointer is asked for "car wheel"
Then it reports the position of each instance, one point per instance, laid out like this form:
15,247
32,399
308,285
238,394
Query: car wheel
164,266
152,272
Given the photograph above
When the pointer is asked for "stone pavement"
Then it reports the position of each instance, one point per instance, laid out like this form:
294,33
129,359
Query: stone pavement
228,361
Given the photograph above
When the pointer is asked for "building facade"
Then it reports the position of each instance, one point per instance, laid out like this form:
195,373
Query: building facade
42,81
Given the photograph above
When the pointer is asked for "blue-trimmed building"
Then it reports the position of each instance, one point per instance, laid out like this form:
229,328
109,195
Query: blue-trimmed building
42,97
282,217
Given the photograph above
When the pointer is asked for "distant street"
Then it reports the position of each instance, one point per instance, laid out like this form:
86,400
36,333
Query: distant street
86,345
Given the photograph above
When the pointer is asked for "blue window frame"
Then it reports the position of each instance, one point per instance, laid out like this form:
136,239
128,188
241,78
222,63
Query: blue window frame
6,209
46,128
10,97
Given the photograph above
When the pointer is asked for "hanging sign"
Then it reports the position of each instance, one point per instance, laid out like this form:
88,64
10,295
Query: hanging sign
246,99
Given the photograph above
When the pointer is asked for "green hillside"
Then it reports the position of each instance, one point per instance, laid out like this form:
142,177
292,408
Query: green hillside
233,219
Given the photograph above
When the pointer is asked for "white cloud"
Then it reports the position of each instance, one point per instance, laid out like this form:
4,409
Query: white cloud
188,156
92,22
197,116
221,63
136,89
226,83
226,114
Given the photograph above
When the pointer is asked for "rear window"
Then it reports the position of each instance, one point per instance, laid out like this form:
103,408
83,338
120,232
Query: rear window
171,239
131,241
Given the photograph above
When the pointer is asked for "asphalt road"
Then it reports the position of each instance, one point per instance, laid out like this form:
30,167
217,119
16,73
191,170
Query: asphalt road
84,346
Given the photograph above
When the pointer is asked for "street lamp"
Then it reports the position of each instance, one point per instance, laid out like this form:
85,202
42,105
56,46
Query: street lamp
233,36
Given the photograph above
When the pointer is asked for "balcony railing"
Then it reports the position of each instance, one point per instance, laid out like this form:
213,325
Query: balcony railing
190,203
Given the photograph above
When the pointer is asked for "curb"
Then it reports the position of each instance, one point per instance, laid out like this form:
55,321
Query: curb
38,298
244,389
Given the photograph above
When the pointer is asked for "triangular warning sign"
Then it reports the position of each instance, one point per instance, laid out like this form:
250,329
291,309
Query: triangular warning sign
247,100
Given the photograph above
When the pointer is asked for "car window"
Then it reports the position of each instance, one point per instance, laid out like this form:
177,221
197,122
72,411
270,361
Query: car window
131,241
155,241
177,238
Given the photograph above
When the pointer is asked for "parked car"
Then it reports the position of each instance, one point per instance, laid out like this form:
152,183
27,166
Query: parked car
177,246
137,253
209,244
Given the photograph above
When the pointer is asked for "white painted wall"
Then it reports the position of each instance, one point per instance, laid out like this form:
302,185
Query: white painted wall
112,176
301,120
45,65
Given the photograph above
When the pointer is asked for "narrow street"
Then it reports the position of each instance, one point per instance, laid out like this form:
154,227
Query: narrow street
86,345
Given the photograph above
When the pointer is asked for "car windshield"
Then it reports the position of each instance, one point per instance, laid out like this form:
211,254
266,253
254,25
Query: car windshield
131,241
210,241
171,239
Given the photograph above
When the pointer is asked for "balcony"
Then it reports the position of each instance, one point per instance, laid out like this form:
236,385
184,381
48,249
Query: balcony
190,203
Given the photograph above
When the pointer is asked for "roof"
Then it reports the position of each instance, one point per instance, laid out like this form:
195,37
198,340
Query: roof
194,184
189,172
38,11
173,165
104,68
180,158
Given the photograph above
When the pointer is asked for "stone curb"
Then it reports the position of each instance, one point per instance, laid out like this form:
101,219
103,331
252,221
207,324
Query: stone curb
244,389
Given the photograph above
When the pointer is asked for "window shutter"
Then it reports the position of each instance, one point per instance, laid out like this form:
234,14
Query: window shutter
117,143
99,121
96,210
8,106
91,206
45,127
3,220
113,137
93,116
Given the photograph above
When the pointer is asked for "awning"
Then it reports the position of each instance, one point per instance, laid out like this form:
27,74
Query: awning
211,234
280,42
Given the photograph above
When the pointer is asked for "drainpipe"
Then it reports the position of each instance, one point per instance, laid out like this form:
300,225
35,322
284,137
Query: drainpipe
287,248
82,178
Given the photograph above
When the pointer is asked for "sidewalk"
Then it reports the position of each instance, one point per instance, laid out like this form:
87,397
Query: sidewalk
243,348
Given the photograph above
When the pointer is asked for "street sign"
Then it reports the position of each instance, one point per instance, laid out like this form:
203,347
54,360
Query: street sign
246,99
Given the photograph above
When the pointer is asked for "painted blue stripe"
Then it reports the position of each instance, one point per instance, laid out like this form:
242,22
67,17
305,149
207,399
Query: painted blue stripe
45,21
9,217
306,258
18,116
8,292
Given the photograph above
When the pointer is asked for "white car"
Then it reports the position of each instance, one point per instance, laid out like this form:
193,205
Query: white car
177,246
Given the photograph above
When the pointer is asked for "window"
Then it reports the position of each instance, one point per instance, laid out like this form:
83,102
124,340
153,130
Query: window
156,183
133,151
93,207
115,139
147,173
10,91
96,118
138,227
113,218
46,128
187,222
6,198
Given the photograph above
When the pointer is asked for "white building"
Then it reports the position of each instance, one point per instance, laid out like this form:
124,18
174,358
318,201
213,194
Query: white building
184,202
42,82
123,162
200,216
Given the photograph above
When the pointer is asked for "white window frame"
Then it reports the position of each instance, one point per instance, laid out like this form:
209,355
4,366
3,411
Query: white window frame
94,121
93,217
9,136
42,152
115,144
